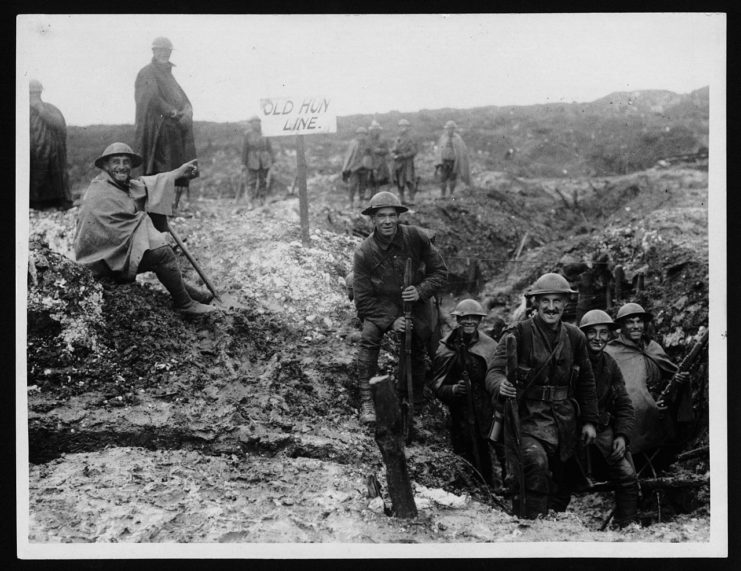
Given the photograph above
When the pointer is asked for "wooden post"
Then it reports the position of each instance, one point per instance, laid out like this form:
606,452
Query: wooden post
391,443
303,201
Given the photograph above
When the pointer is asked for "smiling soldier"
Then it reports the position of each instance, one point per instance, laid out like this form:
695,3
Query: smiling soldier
644,365
462,362
554,385
378,279
115,236
616,416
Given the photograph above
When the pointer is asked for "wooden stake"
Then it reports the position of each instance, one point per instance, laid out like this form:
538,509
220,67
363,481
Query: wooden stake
391,444
303,201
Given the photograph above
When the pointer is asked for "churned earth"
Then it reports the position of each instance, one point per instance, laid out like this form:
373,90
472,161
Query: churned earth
242,426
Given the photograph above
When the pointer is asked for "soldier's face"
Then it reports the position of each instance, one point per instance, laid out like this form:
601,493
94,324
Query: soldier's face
550,307
633,328
256,126
162,55
386,220
119,167
450,131
597,337
469,323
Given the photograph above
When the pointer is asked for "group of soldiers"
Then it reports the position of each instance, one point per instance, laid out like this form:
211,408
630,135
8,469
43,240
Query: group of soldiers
552,394
366,168
557,390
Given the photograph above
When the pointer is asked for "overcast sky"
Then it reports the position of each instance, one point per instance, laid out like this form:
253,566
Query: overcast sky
366,64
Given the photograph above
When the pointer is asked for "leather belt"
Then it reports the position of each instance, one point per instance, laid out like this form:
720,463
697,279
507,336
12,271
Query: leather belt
547,393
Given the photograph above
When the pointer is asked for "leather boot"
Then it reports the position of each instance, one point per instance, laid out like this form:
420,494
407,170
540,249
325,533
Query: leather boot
367,413
168,273
626,504
199,295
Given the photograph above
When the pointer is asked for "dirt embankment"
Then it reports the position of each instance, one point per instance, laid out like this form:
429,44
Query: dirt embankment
243,426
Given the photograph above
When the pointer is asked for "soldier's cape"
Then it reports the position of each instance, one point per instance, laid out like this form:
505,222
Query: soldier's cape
163,142
49,184
113,228
643,367
460,166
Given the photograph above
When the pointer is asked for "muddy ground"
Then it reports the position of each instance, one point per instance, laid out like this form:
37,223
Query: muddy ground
242,426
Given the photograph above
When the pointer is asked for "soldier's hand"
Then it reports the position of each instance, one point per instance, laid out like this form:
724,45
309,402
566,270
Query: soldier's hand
588,433
507,389
400,325
460,389
682,377
410,294
618,449
187,170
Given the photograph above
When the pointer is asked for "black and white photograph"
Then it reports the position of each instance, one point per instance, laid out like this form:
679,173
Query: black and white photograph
371,285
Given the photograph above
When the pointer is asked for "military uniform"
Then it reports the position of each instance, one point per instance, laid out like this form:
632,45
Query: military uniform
378,279
616,418
447,371
555,365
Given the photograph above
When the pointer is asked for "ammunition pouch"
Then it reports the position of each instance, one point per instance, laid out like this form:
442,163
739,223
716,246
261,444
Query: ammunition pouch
548,393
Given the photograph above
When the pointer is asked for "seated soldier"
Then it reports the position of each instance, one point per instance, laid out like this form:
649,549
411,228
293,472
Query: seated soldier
115,236
616,417
463,359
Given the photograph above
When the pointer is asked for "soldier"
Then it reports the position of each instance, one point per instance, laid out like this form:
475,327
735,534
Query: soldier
115,237
452,159
164,117
616,416
644,366
380,174
403,152
467,352
48,141
357,167
553,377
257,158
378,272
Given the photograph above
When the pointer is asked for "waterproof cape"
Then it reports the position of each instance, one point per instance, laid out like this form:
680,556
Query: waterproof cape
460,166
641,367
113,229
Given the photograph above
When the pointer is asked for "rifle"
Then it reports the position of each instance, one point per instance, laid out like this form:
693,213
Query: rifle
512,421
470,414
672,391
405,360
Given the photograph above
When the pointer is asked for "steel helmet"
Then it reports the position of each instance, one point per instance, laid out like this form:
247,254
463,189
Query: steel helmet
596,317
384,199
253,119
35,85
451,124
361,131
550,283
375,125
404,123
632,310
162,42
468,307
118,149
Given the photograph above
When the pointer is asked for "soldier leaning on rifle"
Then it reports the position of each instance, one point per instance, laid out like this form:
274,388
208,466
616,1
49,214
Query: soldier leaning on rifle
555,388
616,416
378,277
116,238
449,385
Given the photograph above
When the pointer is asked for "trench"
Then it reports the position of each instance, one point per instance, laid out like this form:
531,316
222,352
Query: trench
46,445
